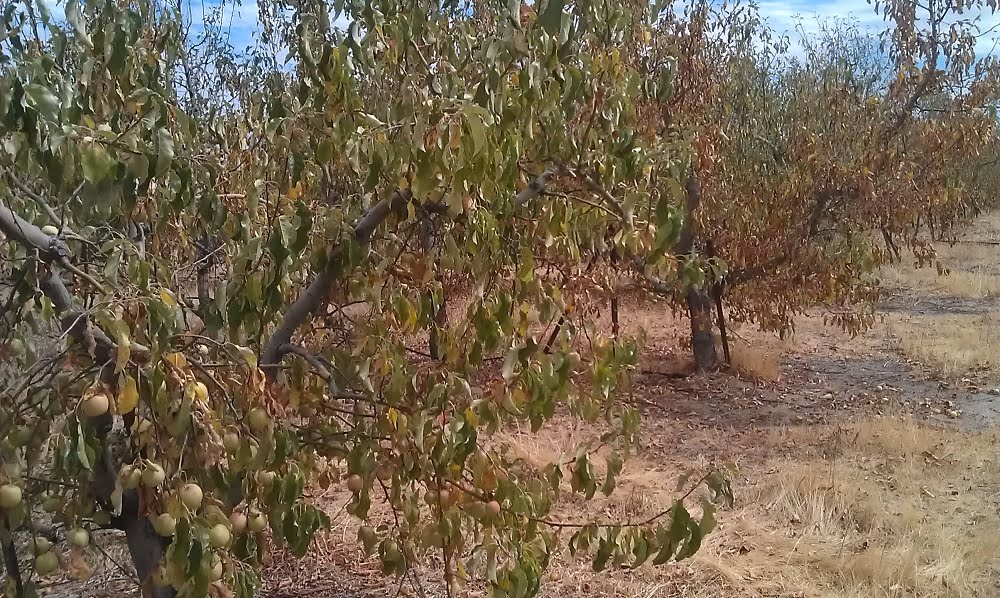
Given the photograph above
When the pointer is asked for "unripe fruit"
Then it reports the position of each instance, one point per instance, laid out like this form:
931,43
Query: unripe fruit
383,473
95,405
215,573
10,496
131,477
219,535
153,475
52,504
239,522
165,525
23,436
366,534
493,507
231,442
203,350
256,522
46,563
391,550
265,478
78,537
191,496
355,483
11,470
444,499
259,419
50,230
41,545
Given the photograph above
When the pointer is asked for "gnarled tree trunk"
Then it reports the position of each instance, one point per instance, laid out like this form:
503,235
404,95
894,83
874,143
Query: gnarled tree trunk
699,301
702,337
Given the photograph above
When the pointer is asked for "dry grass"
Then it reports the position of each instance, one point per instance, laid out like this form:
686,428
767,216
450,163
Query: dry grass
963,280
759,359
883,507
952,345
973,267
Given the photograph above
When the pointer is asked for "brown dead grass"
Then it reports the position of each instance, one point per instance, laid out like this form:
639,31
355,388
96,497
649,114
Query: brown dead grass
883,507
757,359
977,282
973,265
952,345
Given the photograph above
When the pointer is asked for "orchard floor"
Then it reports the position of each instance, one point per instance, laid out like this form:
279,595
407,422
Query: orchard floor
866,467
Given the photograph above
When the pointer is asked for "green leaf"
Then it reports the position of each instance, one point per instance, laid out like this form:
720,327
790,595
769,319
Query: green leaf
614,468
478,132
707,517
75,19
551,17
43,100
693,542
164,151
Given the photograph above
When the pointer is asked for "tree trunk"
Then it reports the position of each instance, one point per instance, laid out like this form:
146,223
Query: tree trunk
698,300
702,340
890,246
440,323
146,549
614,299
717,294
10,558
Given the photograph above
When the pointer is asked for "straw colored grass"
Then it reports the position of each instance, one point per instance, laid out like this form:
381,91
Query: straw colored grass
884,507
951,345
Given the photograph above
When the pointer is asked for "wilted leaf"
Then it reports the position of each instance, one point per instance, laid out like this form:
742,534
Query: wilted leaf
128,396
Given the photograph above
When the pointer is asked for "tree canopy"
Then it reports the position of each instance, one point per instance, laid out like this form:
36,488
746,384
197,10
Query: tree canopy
229,278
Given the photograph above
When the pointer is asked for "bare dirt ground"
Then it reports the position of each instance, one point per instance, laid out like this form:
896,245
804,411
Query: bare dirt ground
867,465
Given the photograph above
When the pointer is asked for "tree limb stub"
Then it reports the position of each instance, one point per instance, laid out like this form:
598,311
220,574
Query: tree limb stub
50,248
38,199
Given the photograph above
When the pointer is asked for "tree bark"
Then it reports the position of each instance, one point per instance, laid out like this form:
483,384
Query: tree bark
698,300
440,323
702,339
10,559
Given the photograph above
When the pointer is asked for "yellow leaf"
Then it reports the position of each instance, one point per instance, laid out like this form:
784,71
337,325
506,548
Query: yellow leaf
176,359
167,297
128,397
295,191
393,416
471,416
123,351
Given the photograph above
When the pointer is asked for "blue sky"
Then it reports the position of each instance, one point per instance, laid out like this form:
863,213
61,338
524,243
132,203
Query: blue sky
240,16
